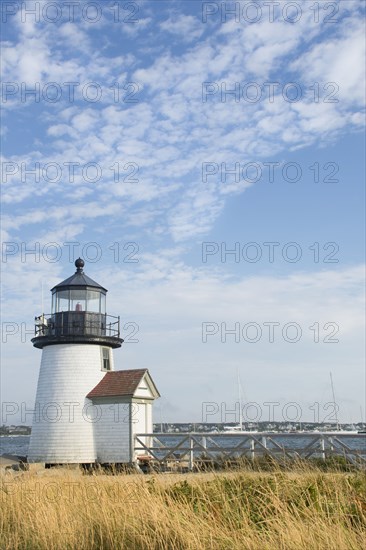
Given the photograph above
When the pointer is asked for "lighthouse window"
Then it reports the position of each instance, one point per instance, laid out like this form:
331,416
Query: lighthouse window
106,365
102,304
92,301
77,299
63,300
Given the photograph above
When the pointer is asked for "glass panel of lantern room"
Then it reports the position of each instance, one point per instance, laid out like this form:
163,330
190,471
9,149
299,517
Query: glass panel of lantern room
102,303
78,299
93,301
53,307
62,300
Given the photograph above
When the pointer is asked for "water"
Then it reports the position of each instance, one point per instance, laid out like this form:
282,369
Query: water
14,445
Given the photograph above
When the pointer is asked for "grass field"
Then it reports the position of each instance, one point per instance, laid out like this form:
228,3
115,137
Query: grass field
299,509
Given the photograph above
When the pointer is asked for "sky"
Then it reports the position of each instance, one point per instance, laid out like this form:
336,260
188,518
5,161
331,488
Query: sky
206,159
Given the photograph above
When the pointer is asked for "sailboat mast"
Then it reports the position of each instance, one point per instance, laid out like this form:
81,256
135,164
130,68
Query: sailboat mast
240,404
334,400
161,418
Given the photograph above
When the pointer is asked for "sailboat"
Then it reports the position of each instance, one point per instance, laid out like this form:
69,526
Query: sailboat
338,429
238,428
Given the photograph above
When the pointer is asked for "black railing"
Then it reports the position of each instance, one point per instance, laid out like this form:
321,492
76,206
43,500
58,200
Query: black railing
77,323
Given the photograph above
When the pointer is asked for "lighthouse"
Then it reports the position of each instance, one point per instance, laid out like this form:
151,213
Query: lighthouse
85,410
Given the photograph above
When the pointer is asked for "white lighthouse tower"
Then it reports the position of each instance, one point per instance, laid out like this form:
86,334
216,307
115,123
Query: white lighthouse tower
78,392
77,342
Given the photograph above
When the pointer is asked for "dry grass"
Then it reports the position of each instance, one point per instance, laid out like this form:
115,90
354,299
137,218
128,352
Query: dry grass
304,509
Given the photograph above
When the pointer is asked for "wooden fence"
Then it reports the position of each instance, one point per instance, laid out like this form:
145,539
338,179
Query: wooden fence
189,449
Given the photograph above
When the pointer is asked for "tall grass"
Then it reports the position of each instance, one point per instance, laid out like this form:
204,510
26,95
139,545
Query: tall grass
303,509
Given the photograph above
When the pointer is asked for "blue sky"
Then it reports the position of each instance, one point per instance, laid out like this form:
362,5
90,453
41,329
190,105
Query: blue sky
166,139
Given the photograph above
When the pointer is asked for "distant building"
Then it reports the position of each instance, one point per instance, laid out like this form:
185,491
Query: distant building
85,411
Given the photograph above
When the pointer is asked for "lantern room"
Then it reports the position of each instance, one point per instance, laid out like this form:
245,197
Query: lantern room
78,314
79,293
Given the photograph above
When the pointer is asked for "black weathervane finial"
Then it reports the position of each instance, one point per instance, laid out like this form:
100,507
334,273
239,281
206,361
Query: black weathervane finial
79,264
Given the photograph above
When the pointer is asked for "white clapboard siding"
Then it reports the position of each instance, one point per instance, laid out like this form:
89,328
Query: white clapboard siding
143,389
119,423
142,421
112,433
64,420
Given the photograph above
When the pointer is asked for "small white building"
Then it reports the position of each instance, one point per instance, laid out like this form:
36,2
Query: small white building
124,401
85,411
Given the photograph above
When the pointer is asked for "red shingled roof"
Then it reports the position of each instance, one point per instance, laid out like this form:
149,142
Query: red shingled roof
118,383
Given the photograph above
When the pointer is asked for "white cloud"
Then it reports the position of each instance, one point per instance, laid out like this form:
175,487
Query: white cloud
170,132
186,27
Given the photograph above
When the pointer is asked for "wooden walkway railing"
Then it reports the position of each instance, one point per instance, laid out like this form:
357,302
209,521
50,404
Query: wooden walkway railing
186,449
